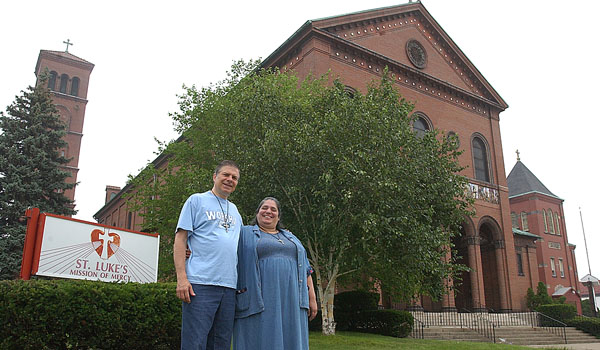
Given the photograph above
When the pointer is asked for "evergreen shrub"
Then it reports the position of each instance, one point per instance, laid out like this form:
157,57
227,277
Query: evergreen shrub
74,314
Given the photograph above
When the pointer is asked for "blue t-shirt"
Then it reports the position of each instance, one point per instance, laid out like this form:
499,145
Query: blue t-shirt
214,247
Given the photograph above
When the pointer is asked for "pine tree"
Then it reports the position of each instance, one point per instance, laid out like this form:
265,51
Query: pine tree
30,169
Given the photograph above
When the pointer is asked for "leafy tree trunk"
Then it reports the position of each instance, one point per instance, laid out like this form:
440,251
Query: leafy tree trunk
328,322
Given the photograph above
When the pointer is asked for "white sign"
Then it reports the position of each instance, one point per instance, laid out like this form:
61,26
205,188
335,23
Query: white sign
72,248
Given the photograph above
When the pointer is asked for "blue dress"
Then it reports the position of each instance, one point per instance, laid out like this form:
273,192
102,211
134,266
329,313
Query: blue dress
283,325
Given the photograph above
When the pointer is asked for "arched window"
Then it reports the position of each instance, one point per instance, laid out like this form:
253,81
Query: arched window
545,220
52,81
75,86
480,159
524,222
550,221
421,124
63,83
350,91
557,223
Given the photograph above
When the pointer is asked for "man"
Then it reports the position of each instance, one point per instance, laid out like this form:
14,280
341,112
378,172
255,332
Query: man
210,226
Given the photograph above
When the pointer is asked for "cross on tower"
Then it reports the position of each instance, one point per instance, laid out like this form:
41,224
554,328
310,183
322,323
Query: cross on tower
68,42
518,155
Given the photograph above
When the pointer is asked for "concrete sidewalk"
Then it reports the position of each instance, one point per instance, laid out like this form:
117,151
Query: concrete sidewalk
583,346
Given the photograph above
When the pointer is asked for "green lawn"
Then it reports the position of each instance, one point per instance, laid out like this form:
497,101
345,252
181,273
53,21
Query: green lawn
362,341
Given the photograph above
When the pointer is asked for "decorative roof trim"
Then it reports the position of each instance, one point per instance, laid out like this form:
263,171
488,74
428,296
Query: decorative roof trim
531,192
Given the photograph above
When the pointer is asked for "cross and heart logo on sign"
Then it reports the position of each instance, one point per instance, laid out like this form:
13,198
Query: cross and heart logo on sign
105,243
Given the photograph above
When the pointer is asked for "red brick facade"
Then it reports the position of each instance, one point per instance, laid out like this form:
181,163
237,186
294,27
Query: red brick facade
449,94
69,80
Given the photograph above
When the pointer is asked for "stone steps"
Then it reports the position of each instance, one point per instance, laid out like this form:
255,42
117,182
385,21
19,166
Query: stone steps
510,335
456,334
510,328
526,336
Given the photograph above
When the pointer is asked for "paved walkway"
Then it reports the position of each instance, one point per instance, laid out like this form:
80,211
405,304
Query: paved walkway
585,346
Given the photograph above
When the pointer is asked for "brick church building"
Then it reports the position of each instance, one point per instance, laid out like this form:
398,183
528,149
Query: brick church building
68,81
451,95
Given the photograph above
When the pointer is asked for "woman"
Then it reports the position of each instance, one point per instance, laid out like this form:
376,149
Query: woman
275,296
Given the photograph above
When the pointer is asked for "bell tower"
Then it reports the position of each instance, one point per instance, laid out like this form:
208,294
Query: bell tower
68,80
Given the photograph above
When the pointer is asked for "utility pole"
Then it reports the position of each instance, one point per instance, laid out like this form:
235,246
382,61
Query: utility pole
589,279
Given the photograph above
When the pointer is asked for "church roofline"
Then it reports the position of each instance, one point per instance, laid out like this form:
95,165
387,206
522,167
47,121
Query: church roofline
299,38
522,181
412,70
320,25
63,56
465,59
66,55
358,13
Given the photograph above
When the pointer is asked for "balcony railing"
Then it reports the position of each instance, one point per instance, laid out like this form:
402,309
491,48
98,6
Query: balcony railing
484,193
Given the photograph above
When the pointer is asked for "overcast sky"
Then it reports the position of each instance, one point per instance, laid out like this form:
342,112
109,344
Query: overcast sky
541,57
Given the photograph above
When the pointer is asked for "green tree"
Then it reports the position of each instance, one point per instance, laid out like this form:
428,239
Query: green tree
586,308
364,193
542,294
541,297
531,300
30,173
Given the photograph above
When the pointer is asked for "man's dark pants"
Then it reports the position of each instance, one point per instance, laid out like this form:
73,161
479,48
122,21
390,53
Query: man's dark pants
207,322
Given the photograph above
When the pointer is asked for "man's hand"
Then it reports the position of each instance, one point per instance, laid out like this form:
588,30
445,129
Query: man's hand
185,291
184,287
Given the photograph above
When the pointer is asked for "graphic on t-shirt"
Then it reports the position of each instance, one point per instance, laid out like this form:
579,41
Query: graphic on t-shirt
225,223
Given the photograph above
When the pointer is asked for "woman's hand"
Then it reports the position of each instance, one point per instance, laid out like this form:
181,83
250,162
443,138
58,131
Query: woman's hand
312,309
312,299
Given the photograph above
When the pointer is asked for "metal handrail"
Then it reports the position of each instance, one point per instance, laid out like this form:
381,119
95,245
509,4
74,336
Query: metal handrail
418,330
481,325
554,327
438,319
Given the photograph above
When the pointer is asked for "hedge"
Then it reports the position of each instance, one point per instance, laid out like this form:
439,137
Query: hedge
73,314
347,304
355,301
587,324
560,312
393,323
357,311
